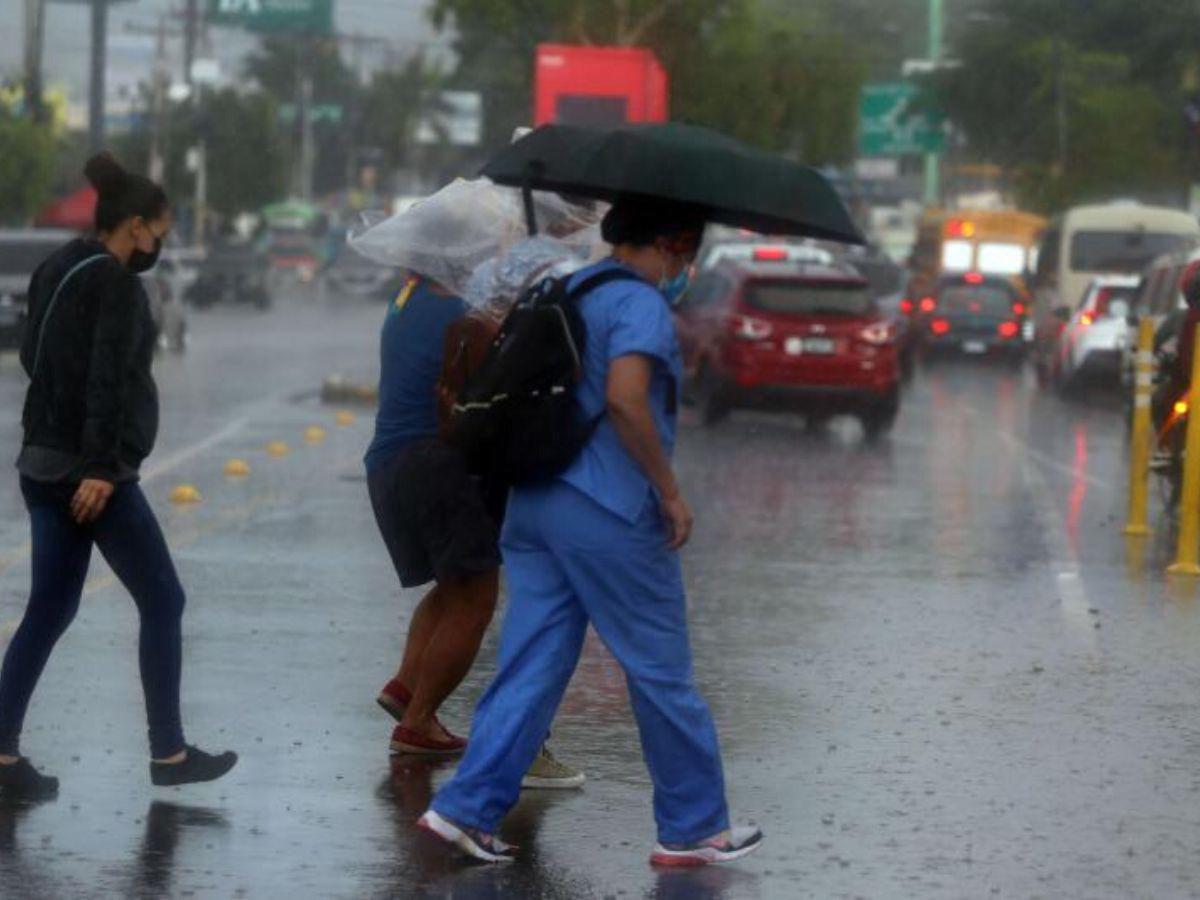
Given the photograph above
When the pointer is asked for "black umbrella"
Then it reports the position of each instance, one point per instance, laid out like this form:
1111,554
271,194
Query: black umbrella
736,184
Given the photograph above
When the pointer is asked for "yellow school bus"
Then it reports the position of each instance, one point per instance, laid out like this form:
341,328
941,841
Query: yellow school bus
998,243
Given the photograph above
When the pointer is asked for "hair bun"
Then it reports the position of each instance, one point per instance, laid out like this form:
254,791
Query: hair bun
105,173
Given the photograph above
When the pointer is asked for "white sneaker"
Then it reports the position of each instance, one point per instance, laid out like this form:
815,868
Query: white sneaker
474,843
742,841
548,773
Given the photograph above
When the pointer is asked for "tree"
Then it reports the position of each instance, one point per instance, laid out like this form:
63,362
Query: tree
774,73
27,153
1074,100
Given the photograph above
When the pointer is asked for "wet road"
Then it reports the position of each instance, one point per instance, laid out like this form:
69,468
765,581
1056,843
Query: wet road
937,667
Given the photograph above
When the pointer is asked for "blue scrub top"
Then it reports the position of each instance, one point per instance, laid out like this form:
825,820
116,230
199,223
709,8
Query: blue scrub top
410,361
623,317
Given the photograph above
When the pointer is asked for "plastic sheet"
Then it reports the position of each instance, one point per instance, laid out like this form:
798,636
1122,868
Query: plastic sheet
450,234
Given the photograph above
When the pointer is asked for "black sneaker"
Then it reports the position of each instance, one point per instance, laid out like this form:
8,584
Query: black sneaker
197,767
21,781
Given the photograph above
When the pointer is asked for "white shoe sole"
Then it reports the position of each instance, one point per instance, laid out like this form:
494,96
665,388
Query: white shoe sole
535,783
452,834
701,856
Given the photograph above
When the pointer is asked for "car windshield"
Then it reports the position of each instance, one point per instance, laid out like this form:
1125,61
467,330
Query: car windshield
1121,251
22,257
794,297
988,299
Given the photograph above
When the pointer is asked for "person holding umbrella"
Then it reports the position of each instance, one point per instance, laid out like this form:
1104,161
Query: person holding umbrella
600,545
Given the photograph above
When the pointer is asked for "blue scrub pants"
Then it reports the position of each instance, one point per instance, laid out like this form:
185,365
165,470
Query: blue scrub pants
569,561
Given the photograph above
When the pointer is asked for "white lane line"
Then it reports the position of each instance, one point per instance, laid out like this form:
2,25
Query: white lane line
179,457
1051,463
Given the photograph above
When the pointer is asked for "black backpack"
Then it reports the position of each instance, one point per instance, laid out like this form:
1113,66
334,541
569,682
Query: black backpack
515,418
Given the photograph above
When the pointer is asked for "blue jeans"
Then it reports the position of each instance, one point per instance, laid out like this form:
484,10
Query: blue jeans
569,562
128,535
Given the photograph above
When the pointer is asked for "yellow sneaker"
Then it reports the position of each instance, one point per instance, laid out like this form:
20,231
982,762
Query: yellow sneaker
547,773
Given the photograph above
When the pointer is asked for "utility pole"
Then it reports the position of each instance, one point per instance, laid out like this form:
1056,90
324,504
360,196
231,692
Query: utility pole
933,161
35,29
191,20
1060,105
99,65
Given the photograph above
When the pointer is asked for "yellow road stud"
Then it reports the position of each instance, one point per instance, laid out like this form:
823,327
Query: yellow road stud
278,448
314,434
1139,456
344,417
237,468
1187,552
184,494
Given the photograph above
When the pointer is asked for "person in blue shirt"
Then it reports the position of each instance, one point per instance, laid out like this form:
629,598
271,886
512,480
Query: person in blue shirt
433,518
599,545
439,521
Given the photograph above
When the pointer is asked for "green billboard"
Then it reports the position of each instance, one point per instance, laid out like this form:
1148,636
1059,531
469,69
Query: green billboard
297,16
892,122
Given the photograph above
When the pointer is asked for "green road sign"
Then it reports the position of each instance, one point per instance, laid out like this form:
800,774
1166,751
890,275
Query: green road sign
889,124
318,112
309,16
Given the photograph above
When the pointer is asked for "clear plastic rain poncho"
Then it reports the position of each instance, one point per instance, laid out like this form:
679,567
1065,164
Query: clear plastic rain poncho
449,235
497,284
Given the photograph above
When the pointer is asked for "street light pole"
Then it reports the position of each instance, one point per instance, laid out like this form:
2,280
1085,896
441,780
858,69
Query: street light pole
35,25
933,160
99,64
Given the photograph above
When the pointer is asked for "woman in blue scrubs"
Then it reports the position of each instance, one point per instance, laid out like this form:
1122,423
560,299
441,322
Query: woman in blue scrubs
600,544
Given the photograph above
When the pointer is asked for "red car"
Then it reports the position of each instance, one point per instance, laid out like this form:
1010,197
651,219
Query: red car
803,337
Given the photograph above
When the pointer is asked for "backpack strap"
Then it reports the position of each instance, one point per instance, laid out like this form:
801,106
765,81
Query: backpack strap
616,273
37,354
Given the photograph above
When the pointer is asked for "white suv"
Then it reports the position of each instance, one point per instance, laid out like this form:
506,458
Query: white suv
1093,341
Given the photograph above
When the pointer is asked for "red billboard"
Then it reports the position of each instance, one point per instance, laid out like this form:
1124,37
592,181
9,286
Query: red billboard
582,85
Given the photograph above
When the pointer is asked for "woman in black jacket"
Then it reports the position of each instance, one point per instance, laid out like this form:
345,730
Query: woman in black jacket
90,418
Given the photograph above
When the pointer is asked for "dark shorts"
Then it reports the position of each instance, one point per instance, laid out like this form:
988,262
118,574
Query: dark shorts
438,521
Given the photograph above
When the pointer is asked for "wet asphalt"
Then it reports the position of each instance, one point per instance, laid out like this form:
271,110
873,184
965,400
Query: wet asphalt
937,667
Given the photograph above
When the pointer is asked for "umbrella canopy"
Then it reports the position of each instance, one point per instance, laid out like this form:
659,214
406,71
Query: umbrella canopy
736,184
76,211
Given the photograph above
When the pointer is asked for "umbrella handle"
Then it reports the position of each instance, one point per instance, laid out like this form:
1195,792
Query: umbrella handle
530,212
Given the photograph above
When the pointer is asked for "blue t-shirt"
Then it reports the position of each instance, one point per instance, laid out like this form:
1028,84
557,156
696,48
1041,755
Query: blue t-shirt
623,317
410,351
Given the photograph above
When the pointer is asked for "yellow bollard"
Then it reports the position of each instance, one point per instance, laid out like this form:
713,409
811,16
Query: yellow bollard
1187,553
237,468
1139,457
184,495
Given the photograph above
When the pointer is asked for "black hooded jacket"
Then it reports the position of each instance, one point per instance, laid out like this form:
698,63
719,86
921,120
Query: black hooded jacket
93,395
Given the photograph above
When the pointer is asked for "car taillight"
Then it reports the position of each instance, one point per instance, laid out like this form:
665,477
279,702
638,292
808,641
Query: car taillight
747,328
1087,318
1009,329
928,304
939,326
907,306
1018,309
877,333
1181,407
973,278
770,254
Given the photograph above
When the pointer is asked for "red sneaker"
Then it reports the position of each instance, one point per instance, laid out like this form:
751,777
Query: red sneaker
405,740
394,698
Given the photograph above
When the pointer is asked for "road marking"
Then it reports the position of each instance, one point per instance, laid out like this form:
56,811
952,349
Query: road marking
1051,463
179,457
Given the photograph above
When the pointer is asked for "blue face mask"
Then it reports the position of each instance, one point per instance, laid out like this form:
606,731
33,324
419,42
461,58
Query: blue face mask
672,288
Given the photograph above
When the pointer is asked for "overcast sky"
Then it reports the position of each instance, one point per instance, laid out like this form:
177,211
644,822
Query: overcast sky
401,22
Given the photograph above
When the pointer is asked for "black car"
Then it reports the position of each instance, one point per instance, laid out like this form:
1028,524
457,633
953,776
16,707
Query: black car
353,275
21,252
233,272
975,315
